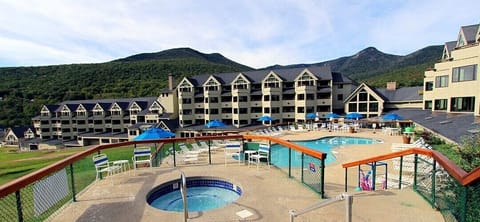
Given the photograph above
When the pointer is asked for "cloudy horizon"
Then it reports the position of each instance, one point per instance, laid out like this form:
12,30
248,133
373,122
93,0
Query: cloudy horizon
257,34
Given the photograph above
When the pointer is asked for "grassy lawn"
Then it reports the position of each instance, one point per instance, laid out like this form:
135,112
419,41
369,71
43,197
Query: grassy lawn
14,164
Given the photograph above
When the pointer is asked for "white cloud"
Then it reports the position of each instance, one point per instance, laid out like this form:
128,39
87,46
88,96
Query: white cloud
257,34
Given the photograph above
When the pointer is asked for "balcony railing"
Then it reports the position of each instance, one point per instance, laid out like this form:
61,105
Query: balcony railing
37,196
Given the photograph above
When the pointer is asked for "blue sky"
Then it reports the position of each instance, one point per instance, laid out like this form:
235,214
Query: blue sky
254,33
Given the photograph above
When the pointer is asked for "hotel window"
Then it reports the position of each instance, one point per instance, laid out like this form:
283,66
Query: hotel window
362,96
301,97
275,109
464,73
441,104
266,110
462,104
352,107
300,109
340,86
266,98
213,99
235,99
373,107
240,84
340,97
226,99
185,87
429,86
271,82
243,98
305,80
275,97
235,111
428,104
243,110
441,81
213,111
362,107
211,86
186,101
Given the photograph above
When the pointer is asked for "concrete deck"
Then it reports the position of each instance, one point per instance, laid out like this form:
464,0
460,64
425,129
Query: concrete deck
268,193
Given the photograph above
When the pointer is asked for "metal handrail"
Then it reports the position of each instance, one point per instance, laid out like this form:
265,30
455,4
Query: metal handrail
183,190
340,197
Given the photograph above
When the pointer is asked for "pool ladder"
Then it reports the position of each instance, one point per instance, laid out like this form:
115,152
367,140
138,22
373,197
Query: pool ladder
348,206
183,190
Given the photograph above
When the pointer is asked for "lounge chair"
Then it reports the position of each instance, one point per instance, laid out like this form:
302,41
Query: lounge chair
232,150
185,151
102,165
142,155
262,153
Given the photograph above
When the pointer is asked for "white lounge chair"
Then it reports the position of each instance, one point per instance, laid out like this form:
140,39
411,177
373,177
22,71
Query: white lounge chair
232,150
262,153
143,156
102,165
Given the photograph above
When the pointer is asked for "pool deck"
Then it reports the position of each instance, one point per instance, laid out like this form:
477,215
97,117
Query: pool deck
268,194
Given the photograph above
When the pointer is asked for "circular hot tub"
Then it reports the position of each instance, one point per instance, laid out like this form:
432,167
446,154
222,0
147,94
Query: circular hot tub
203,193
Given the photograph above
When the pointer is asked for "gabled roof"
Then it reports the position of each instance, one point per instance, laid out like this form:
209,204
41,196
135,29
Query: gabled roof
19,131
172,124
321,72
52,108
470,32
369,88
448,47
402,94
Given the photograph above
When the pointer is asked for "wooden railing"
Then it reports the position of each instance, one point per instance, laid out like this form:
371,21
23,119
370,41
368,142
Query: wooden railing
455,171
24,181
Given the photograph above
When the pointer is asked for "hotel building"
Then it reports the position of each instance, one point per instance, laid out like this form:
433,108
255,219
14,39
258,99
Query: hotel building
452,86
239,99
92,122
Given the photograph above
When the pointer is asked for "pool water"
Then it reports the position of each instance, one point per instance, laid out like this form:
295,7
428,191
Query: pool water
198,199
279,153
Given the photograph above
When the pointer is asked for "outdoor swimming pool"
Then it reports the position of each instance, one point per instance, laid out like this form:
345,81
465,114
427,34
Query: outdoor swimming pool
203,193
279,153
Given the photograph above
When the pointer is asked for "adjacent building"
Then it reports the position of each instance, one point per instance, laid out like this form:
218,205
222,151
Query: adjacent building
91,122
373,102
452,86
239,99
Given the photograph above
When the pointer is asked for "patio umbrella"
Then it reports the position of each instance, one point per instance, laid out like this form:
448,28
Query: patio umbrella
393,117
215,123
332,115
266,118
354,115
153,134
311,115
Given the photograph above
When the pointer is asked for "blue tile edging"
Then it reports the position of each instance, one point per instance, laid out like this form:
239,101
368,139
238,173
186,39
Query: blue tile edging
174,185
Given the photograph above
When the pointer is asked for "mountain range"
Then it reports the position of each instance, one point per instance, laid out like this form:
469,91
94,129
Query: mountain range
23,90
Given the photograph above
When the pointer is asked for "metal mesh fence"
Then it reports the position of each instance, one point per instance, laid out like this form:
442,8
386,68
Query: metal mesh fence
39,200
312,173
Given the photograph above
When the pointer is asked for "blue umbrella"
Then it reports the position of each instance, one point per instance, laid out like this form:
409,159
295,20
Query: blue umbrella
332,115
215,123
354,115
311,115
265,118
393,116
153,134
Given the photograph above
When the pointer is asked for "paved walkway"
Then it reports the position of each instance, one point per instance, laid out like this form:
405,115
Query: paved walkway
268,193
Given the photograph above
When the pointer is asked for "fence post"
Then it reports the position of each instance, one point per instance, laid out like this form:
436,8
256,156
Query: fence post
433,182
346,178
415,172
72,179
322,177
174,151
400,172
19,206
303,156
463,200
289,162
210,153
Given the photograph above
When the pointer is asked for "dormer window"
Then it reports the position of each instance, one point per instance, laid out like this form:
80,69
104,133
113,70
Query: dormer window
240,83
185,87
97,110
135,109
305,80
271,82
211,85
65,111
